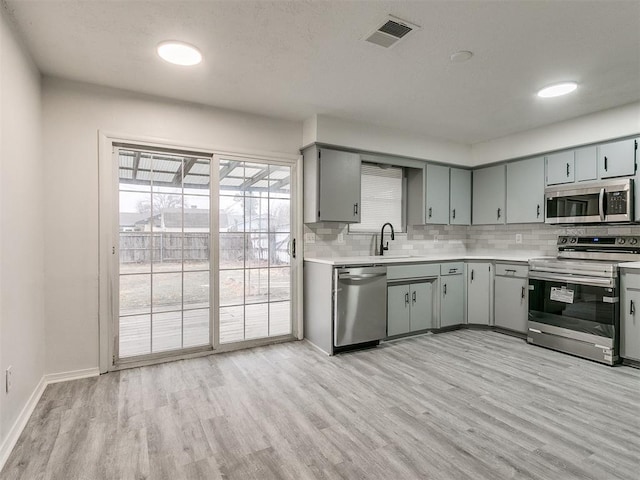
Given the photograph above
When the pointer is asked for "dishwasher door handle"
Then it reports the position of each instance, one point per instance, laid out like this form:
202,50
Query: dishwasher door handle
360,276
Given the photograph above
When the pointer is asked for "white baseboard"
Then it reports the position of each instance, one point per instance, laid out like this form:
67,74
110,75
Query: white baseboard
12,437
14,433
72,375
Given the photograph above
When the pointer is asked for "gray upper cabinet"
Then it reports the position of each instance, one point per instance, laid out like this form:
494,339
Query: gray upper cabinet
489,195
586,164
560,167
525,191
460,197
331,186
437,195
617,159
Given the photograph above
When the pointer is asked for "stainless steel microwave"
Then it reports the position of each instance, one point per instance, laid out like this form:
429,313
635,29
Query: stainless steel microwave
608,201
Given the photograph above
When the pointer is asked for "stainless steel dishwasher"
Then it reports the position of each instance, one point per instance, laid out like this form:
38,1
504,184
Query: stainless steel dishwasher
360,314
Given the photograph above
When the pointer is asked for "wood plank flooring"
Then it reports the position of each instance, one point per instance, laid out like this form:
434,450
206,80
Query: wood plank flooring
460,405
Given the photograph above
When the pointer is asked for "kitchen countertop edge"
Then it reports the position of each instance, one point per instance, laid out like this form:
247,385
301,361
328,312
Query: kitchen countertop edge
390,260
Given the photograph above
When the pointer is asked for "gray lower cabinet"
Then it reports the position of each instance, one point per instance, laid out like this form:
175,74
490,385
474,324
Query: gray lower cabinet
460,197
617,159
525,191
489,189
479,290
630,315
437,194
451,294
511,296
409,308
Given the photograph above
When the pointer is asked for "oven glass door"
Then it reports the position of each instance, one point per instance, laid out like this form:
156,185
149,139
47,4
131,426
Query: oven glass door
581,308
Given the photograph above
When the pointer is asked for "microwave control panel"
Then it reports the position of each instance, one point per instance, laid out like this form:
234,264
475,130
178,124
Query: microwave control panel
616,203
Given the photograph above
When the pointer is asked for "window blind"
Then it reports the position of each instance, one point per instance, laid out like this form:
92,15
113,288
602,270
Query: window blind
381,198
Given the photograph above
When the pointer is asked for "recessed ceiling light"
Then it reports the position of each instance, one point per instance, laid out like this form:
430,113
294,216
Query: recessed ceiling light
557,89
461,56
179,53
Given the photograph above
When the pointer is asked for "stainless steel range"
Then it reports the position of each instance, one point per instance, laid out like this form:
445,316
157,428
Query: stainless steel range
574,298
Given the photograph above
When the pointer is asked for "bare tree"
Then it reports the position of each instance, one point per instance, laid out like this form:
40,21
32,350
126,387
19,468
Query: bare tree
161,201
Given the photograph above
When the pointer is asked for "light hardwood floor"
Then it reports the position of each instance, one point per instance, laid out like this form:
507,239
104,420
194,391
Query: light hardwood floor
466,404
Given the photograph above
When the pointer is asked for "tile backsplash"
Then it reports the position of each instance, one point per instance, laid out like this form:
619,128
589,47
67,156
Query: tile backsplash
334,239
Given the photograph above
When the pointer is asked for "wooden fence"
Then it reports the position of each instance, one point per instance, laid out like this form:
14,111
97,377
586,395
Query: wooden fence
138,247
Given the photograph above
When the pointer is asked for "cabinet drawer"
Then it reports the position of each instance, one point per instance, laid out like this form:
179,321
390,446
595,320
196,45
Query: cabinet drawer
454,268
512,270
400,272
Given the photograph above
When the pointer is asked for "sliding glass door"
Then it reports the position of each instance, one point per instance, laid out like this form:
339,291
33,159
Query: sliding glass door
164,252
254,249
188,280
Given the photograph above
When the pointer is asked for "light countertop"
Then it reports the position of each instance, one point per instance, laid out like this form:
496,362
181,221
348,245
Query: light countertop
516,257
632,265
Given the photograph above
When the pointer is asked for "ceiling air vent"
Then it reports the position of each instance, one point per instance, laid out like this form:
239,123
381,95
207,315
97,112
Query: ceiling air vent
391,32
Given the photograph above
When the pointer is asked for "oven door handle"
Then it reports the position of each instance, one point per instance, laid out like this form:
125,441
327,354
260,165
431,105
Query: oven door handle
601,204
577,279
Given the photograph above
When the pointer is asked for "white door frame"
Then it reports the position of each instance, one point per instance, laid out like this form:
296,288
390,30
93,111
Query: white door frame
108,231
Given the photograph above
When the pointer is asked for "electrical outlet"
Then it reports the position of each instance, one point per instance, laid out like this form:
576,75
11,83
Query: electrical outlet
310,237
340,239
9,379
518,238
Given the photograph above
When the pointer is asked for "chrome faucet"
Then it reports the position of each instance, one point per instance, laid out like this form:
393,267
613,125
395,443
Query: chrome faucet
384,247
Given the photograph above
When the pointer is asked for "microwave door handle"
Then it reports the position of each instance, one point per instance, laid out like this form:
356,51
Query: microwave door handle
601,204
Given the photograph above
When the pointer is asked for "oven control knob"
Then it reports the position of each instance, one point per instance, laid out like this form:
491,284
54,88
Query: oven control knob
633,241
564,240
574,240
621,241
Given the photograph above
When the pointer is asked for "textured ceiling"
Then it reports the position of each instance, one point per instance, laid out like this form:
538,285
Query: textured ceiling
293,59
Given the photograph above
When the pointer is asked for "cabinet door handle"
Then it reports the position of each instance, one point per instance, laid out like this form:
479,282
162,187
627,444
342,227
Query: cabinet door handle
454,213
506,270
444,289
567,170
499,213
406,299
472,271
522,295
430,211
538,211
413,296
632,308
355,209
605,163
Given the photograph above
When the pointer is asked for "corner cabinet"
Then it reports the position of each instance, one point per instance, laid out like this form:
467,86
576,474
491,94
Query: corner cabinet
460,197
331,186
489,189
525,191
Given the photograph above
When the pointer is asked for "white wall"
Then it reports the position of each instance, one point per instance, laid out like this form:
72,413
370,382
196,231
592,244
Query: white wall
21,231
73,114
373,138
601,126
